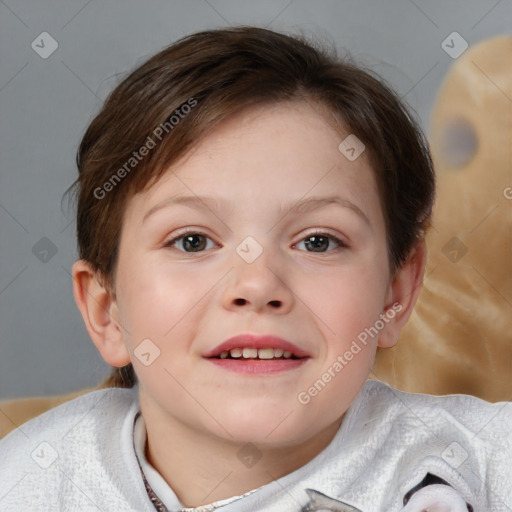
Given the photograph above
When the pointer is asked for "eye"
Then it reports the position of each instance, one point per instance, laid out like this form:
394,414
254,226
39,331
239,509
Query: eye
190,241
319,242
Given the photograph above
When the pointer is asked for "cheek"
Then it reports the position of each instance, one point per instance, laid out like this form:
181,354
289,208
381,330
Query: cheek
161,303
156,306
347,300
144,302
151,287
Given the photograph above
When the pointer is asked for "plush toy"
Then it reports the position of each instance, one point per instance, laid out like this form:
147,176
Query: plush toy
459,338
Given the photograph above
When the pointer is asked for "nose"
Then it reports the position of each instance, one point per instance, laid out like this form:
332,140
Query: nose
259,286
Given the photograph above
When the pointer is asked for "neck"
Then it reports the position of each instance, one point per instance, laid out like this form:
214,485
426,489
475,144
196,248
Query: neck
201,468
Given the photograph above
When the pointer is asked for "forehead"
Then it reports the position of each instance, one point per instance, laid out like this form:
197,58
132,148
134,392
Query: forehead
267,155
284,134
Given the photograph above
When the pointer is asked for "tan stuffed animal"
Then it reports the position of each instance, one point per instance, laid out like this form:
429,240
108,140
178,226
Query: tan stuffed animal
459,339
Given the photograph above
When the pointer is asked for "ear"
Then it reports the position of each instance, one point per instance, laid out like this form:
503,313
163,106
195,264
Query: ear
100,313
403,293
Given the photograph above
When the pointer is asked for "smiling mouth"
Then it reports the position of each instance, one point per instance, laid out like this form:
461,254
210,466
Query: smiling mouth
264,354
258,361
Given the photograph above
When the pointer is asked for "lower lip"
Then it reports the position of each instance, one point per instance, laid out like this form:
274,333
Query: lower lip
256,366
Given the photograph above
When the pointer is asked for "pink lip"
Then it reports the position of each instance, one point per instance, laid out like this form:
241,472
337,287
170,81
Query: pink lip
255,341
258,366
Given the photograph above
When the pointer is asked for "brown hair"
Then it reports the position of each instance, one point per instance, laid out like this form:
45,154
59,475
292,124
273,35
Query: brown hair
214,74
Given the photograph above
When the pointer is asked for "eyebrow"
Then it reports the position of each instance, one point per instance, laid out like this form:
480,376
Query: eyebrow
301,206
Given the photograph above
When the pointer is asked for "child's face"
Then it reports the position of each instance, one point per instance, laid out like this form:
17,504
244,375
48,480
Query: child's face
187,303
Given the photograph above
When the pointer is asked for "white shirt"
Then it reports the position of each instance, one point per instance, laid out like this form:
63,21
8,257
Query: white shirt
84,455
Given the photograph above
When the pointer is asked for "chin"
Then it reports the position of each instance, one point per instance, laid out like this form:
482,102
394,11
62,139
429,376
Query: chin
264,427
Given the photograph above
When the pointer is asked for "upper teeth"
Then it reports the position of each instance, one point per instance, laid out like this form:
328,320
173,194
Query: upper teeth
253,353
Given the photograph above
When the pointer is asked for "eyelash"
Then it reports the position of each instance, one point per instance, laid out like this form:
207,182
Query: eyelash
341,244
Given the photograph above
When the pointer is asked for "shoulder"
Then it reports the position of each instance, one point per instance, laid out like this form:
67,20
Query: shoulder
81,413
463,439
395,440
468,413
58,455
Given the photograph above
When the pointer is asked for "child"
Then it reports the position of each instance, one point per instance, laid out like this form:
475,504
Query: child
251,221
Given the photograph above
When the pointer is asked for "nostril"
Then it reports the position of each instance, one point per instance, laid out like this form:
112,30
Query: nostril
274,303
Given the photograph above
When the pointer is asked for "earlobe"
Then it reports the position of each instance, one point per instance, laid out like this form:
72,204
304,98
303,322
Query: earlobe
403,294
100,313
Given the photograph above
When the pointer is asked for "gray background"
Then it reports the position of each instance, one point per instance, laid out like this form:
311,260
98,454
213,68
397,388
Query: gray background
46,104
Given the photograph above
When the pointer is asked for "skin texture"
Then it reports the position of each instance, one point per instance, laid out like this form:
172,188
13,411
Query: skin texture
198,416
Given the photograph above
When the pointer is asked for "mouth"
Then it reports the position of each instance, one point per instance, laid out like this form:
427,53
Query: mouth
265,354
249,353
